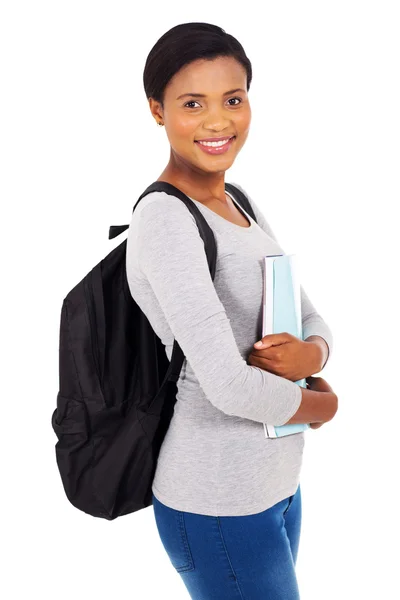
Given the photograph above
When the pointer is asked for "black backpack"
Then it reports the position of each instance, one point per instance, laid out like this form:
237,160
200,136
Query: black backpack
117,388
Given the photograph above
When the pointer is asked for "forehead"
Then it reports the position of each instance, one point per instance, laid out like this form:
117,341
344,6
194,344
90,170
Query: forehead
210,77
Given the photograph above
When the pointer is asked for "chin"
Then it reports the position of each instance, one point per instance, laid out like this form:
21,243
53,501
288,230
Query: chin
214,168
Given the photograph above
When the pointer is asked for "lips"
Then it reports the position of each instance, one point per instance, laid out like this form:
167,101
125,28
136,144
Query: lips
217,139
217,150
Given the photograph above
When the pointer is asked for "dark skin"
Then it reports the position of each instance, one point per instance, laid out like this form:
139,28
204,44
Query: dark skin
191,118
218,113
288,356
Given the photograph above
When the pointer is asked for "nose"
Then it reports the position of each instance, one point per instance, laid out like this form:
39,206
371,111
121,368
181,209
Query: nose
217,120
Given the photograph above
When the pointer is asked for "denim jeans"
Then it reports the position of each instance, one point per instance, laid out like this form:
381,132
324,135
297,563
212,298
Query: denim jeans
249,557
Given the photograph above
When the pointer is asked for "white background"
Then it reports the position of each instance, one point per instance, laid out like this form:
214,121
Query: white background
78,147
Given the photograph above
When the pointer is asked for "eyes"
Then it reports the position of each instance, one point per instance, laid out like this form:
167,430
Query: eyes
236,98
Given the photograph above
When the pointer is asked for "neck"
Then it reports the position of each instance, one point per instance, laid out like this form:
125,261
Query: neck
198,184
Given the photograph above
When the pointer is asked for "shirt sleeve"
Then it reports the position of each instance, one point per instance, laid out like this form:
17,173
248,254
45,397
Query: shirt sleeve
312,322
171,255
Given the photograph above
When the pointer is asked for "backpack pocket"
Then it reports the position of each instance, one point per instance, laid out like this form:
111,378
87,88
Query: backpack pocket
70,422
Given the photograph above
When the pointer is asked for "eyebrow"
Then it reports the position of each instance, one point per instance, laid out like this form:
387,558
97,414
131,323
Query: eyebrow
204,96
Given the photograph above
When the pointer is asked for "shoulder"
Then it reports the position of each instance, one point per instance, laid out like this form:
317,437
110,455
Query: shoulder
164,234
158,203
162,223
160,207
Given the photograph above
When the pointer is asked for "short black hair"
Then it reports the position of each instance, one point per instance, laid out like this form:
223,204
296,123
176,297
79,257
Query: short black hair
184,44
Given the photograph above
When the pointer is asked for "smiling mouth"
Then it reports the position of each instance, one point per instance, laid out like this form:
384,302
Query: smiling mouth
220,142
216,149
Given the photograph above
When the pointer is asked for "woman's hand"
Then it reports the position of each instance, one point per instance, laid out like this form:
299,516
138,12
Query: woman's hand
318,384
287,356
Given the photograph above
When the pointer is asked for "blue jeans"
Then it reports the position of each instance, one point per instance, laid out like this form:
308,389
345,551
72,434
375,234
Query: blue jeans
250,557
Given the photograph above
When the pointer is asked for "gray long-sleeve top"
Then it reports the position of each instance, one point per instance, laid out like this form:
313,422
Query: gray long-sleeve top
215,459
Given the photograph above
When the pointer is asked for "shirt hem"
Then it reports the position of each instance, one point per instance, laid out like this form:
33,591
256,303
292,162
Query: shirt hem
228,511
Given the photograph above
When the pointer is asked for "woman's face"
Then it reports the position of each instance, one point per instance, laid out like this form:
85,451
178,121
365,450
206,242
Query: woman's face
197,105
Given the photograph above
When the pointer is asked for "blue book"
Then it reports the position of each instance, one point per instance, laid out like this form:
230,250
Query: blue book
282,312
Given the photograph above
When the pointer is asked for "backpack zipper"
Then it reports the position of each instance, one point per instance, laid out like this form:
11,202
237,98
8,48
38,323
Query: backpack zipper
93,329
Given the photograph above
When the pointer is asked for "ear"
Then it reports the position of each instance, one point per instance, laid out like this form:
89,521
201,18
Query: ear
156,109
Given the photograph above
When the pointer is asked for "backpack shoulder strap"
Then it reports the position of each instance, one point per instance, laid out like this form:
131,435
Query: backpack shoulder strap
205,230
163,186
241,198
206,234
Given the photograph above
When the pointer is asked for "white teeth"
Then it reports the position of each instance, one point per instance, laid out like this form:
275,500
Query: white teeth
215,144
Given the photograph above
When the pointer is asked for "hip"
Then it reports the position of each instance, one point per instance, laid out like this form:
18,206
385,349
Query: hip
251,556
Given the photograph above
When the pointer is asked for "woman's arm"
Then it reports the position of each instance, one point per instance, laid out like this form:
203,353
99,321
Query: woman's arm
315,407
322,352
165,246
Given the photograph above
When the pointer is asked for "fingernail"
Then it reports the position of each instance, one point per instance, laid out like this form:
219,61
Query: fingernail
258,344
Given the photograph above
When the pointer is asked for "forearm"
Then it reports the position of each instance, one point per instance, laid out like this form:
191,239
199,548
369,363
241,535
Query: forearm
321,352
315,407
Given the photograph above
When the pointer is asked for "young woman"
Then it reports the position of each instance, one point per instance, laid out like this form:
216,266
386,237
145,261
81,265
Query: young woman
226,499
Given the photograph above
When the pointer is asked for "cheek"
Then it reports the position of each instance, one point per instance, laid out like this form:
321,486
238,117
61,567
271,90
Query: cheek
184,127
182,137
243,121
